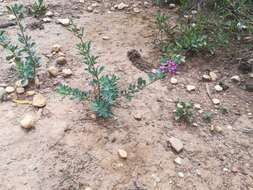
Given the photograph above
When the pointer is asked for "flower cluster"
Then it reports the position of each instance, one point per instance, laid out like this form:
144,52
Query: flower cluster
169,67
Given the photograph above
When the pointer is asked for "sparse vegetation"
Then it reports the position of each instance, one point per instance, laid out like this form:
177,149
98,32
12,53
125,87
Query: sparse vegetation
227,22
208,116
184,111
105,90
24,54
38,8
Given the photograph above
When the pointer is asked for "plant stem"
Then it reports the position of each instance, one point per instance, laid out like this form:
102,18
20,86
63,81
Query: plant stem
21,27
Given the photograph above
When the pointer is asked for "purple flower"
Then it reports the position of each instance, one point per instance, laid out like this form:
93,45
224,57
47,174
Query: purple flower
169,67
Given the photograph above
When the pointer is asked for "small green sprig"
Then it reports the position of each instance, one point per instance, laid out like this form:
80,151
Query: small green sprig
39,8
24,54
74,92
184,111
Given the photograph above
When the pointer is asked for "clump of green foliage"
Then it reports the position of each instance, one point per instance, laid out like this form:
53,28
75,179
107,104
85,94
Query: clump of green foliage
105,89
206,26
208,116
224,109
24,54
38,8
184,111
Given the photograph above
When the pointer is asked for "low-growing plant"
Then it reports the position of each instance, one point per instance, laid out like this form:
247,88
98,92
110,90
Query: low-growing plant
208,116
184,111
105,89
24,54
206,26
224,109
38,8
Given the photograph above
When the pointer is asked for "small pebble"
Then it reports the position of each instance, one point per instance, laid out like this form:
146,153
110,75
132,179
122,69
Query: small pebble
9,89
39,101
122,153
61,60
173,80
218,88
181,174
216,101
20,90
28,121
178,161
213,76
190,88
235,78
67,72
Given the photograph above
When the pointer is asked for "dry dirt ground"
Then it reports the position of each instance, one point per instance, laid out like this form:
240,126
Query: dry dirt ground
70,150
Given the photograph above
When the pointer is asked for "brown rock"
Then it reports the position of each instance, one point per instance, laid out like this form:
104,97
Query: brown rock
39,101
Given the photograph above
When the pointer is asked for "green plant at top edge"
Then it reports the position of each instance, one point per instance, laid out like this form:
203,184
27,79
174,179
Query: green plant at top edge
38,8
23,54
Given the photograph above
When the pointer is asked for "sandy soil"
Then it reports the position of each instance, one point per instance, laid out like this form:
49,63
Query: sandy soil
69,150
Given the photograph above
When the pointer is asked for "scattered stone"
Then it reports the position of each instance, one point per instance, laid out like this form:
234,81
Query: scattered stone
21,83
235,78
173,80
136,10
146,4
176,144
206,77
213,76
67,72
121,6
218,129
122,153
90,9
47,20
53,71
172,5
178,161
137,116
56,48
95,4
216,101
28,121
61,60
105,37
249,85
250,61
30,93
190,88
20,90
180,174
197,106
49,14
194,12
64,22
218,88
12,17
195,125
9,89
229,127
39,101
